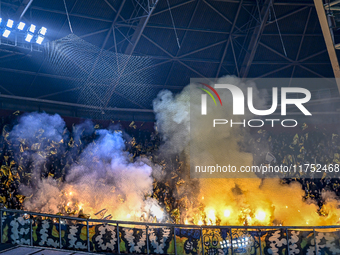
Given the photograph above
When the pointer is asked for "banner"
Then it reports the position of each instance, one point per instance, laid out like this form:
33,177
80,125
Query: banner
104,238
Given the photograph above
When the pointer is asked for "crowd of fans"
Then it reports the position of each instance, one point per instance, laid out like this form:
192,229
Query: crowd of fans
315,153
309,146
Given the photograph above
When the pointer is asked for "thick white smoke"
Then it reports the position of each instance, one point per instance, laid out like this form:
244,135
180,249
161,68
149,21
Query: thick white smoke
178,125
103,176
173,119
32,127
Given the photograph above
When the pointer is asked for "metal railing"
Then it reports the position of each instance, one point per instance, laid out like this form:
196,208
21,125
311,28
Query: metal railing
148,224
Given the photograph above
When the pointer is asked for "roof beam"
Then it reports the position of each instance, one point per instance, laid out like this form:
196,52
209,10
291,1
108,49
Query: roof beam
132,45
276,52
287,15
255,39
62,12
274,71
301,42
327,34
332,3
253,3
201,30
229,41
203,48
72,14
74,105
139,30
172,7
334,8
222,15
182,41
22,9
110,5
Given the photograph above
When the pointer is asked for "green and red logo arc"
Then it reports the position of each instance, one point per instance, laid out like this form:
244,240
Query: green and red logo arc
209,93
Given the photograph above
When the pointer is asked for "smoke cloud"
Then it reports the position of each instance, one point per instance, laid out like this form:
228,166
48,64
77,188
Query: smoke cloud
103,176
43,135
235,201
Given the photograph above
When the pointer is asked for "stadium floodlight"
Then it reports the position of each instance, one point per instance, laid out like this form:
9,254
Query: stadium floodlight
21,26
10,23
6,33
43,31
28,37
19,34
40,39
32,28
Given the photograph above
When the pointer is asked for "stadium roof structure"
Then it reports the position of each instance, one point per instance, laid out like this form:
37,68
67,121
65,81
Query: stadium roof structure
123,52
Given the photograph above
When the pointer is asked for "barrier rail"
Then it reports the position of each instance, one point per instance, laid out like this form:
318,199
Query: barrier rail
37,229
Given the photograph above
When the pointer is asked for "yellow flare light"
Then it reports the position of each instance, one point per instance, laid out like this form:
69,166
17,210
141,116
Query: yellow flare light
260,215
211,216
226,213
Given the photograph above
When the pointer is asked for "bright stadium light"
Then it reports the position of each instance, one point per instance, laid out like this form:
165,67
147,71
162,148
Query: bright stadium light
21,26
40,39
10,23
6,33
23,34
32,28
43,31
28,37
